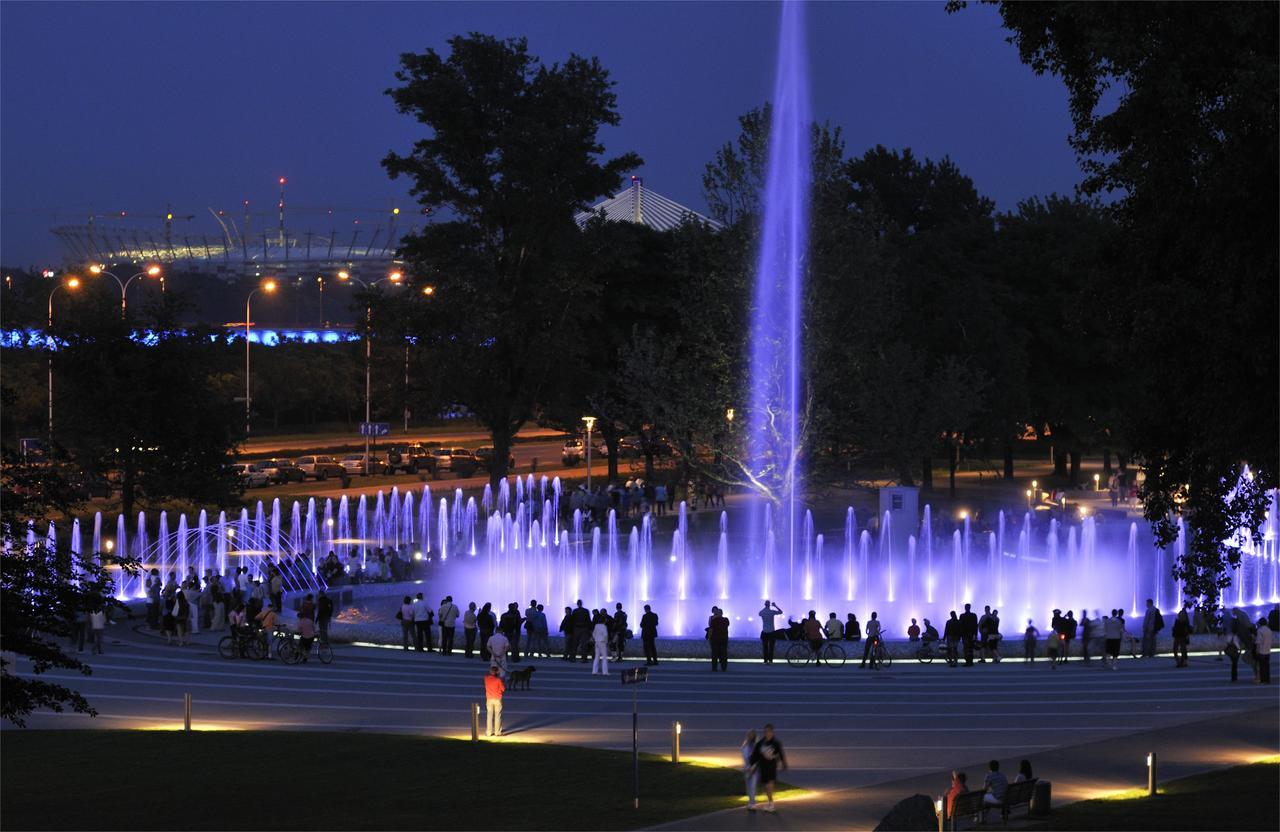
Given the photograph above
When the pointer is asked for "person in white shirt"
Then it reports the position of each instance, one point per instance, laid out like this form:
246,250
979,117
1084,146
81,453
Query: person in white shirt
406,621
498,646
600,638
1262,652
447,617
834,628
98,628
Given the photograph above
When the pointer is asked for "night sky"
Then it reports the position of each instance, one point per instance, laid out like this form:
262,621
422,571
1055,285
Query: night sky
111,106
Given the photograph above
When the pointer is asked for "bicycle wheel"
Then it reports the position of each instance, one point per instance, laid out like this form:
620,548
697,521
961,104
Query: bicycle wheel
885,659
833,655
288,652
227,647
255,648
324,652
924,655
799,654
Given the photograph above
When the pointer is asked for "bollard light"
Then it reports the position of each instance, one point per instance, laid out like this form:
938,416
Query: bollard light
1151,774
937,810
676,729
186,712
475,722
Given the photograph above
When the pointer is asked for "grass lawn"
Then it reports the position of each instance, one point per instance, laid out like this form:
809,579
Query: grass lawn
1240,798
287,780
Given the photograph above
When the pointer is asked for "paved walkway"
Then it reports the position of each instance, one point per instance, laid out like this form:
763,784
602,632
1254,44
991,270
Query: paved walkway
859,739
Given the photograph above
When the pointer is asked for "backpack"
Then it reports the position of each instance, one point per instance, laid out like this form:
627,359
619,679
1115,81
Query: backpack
1159,622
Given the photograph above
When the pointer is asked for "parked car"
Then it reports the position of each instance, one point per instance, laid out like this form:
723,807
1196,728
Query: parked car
443,458
573,452
321,467
252,475
357,466
282,471
411,459
463,462
485,457
629,446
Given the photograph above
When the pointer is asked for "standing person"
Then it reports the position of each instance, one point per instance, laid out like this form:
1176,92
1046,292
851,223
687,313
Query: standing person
485,625
1261,650
405,617
448,619
984,633
306,626
1085,624
1112,634
750,773
98,630
767,757
494,687
168,624
182,612
510,626
580,618
718,634
324,614
619,634
79,630
968,632
531,627
566,628
498,647
951,635
154,585
600,641
649,635
277,589
768,634
421,625
469,628
1150,628
873,639
192,594
219,620
1029,639
1181,635
1069,625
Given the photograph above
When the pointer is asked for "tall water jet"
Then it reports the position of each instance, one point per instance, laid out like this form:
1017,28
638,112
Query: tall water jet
774,433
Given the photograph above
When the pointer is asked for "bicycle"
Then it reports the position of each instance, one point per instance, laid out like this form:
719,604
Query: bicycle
289,649
879,656
928,652
801,654
242,644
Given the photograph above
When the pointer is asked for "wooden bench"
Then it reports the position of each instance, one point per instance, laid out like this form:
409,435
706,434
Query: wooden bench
972,804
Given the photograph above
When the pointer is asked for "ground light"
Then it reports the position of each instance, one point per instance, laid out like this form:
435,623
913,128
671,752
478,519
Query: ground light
676,729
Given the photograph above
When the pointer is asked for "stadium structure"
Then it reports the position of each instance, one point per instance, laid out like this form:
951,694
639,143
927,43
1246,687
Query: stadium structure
233,247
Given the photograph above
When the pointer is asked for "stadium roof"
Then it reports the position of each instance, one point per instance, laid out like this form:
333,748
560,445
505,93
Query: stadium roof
639,204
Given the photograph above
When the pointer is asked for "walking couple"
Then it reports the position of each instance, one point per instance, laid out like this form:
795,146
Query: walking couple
760,760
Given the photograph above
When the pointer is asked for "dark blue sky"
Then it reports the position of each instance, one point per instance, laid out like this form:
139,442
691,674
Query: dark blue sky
110,106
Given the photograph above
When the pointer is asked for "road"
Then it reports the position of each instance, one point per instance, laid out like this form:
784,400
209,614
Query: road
844,730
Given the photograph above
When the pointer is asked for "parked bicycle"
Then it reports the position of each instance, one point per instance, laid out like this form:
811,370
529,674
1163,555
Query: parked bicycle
879,656
243,643
929,651
802,654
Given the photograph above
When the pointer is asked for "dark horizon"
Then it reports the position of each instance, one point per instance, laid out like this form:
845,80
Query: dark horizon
302,97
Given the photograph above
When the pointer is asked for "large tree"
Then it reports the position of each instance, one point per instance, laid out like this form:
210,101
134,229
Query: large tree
1175,113
44,590
512,152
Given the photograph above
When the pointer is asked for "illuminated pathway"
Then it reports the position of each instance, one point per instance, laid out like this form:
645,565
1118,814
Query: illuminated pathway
842,729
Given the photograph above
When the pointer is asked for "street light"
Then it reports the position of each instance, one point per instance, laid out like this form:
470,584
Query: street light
267,286
728,416
393,278
150,271
1097,482
71,283
591,423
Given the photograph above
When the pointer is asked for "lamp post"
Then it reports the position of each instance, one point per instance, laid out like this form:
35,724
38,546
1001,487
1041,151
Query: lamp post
346,277
71,283
267,286
591,423
427,291
150,271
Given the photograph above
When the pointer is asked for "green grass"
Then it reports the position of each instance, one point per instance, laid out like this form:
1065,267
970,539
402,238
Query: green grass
1240,798
286,780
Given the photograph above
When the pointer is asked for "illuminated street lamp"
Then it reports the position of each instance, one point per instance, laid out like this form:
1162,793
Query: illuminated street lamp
591,423
1028,498
150,271
267,286
72,283
394,279
1097,482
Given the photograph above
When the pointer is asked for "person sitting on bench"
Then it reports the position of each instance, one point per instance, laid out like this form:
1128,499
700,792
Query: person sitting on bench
995,785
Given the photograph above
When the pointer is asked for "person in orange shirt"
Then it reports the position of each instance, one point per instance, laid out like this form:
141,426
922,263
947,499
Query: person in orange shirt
493,690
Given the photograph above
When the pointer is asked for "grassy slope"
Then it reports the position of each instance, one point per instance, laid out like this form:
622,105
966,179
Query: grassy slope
1240,798
286,780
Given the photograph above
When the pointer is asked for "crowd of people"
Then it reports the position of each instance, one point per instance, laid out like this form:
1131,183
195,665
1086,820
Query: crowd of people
637,497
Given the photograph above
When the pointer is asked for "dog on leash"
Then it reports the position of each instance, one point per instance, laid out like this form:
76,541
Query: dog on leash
522,677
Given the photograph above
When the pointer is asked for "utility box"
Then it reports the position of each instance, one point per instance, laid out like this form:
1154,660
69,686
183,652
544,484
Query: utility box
901,504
